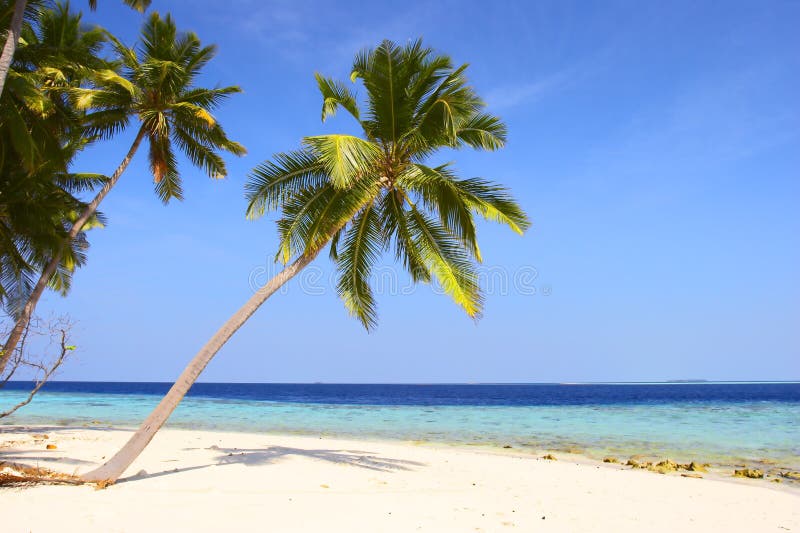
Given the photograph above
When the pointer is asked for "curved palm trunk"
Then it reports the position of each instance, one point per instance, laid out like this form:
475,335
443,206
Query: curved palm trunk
12,38
50,269
114,467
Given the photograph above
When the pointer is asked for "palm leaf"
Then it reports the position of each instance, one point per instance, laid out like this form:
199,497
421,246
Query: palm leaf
298,215
482,131
273,182
439,193
493,202
335,95
164,168
394,218
447,261
360,250
346,158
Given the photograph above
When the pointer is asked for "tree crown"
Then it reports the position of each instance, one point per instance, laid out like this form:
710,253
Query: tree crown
371,194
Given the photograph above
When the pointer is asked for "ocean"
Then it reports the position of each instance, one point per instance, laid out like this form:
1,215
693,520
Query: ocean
722,423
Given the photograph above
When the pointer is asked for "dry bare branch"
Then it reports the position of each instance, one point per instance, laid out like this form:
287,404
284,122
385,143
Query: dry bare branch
52,343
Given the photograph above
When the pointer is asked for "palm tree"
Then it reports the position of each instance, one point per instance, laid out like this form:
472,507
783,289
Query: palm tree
41,131
36,212
18,12
366,195
157,88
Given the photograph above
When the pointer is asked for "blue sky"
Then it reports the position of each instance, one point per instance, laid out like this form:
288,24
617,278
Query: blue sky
655,146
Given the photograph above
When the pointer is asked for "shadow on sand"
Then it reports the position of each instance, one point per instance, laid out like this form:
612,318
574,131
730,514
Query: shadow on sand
273,454
225,456
10,451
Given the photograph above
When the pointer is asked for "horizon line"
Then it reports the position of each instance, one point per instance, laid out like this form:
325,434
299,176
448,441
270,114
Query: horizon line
654,382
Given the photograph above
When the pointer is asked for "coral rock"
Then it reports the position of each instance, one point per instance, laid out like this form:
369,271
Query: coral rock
749,472
695,467
663,467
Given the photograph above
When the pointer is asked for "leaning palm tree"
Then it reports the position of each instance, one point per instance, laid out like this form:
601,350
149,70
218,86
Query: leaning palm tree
368,194
158,89
16,12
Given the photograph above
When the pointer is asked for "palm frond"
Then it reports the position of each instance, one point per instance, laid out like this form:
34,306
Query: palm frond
394,218
298,214
79,182
333,252
339,212
380,75
313,215
164,168
447,261
346,158
272,182
439,193
139,5
360,250
482,131
335,95
208,99
493,202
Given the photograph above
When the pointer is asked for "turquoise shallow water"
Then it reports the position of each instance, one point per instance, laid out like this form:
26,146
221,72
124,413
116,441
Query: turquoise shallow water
725,432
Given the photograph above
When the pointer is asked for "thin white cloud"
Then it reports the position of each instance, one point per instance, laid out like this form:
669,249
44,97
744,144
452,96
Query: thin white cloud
304,32
507,96
675,148
526,93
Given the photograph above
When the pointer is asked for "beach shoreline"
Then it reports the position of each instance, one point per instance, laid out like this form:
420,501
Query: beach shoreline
206,480
724,425
648,454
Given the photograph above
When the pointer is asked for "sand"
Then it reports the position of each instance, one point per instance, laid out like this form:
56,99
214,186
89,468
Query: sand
216,481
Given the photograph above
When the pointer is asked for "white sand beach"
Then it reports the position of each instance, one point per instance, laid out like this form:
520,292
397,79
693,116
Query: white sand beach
216,481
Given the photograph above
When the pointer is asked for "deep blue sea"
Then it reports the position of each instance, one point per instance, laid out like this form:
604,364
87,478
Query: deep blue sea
718,422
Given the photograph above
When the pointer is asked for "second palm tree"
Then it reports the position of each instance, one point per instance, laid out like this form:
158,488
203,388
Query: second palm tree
157,88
